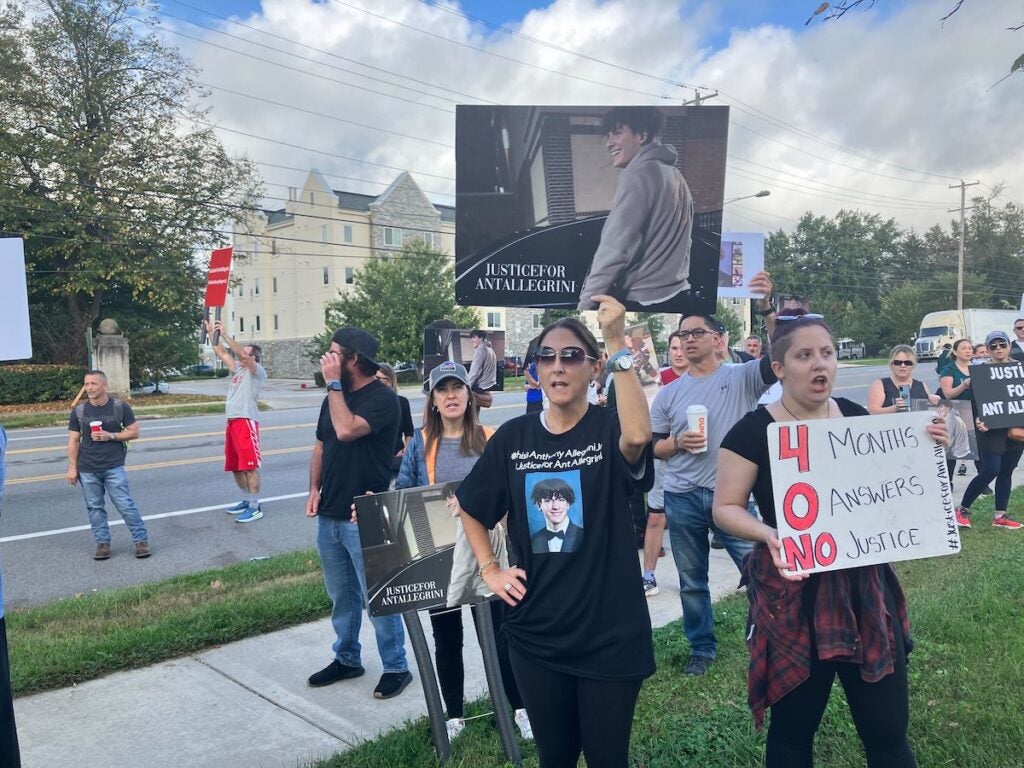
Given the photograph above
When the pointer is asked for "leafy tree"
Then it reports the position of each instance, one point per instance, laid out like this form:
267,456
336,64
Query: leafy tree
395,299
732,323
108,178
656,325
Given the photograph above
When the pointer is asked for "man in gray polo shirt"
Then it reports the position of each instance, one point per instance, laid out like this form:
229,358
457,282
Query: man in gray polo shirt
242,456
728,392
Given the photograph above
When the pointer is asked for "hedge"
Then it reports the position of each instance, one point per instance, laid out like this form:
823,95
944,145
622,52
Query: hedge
20,384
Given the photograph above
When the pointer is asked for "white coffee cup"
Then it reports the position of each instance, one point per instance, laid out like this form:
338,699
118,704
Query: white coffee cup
697,421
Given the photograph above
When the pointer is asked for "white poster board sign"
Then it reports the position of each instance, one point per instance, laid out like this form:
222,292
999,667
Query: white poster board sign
740,257
861,491
15,341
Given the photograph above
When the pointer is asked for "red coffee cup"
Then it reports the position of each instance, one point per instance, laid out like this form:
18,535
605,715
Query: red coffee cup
95,427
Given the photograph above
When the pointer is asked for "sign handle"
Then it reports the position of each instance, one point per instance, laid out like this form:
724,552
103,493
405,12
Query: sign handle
425,665
495,686
216,334
203,337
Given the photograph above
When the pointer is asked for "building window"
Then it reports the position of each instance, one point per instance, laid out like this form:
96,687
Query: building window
311,200
538,321
275,323
257,323
256,286
273,284
346,234
350,275
393,236
327,277
493,319
241,289
323,233
241,325
431,240
256,249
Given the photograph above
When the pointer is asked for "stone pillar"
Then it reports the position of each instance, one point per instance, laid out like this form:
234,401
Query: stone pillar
111,356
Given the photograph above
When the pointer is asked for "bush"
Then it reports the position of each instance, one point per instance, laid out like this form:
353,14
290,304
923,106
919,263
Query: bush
21,384
409,377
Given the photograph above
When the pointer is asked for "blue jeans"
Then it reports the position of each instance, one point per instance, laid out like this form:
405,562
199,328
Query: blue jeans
115,483
341,557
689,521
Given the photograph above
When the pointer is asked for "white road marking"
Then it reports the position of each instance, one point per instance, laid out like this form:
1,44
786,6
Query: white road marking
159,516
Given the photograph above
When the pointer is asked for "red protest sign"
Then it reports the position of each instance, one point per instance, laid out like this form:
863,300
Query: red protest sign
217,282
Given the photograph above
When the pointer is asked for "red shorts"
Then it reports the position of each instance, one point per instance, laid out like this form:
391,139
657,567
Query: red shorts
242,446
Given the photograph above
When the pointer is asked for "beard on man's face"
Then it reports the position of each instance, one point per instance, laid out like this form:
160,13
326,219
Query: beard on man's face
346,374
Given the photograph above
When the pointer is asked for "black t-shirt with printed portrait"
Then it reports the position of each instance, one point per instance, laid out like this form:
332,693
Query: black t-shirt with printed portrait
584,612
350,469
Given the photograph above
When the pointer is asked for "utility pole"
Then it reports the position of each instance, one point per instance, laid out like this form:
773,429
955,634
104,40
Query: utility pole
963,185
698,99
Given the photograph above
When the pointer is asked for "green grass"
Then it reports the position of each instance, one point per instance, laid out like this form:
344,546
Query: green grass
156,411
867,361
966,674
80,638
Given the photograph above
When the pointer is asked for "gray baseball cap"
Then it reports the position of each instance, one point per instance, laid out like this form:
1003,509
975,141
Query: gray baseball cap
447,370
1001,335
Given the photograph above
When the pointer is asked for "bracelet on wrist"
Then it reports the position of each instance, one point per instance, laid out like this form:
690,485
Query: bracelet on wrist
493,561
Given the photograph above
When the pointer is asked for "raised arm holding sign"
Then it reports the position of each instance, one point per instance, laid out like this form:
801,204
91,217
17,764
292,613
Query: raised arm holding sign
804,629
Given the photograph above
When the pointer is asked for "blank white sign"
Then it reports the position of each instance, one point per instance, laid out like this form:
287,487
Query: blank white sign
15,341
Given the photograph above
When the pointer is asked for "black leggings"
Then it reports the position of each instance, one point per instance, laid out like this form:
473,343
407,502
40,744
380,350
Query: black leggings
9,754
571,714
451,672
999,468
881,712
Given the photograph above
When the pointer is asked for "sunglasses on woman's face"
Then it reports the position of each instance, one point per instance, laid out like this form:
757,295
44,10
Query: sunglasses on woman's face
792,318
905,363
568,355
998,345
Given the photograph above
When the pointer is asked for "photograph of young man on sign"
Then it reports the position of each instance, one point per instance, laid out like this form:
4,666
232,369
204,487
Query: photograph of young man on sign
557,204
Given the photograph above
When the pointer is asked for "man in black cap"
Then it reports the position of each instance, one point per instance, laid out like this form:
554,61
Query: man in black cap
355,440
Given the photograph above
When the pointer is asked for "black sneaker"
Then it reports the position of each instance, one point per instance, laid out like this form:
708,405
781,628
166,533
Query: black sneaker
334,672
391,684
986,491
716,541
697,665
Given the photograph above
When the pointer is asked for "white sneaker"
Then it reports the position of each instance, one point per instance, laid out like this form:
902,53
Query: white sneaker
523,722
454,727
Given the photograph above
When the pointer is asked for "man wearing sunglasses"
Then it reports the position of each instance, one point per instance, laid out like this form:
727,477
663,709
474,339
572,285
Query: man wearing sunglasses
1017,347
644,254
728,392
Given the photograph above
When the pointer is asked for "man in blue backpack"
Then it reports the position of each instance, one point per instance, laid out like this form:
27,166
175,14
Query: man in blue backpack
97,433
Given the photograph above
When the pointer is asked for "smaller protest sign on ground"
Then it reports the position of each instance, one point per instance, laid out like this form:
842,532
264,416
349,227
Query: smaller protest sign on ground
963,439
16,340
998,392
861,491
645,356
415,553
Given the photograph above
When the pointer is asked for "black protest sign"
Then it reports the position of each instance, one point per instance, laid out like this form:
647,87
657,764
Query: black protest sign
998,391
557,204
415,554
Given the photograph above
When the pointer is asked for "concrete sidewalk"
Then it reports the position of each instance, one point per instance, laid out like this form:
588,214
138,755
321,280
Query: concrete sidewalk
247,703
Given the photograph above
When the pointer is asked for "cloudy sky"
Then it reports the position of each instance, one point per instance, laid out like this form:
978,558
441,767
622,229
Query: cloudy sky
881,110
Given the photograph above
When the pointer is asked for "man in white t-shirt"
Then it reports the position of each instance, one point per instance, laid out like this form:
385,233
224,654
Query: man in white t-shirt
242,456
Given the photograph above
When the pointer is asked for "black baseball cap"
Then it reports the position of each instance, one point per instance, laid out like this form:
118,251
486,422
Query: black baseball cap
359,341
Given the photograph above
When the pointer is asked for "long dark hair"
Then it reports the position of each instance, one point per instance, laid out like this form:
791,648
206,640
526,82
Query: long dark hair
473,438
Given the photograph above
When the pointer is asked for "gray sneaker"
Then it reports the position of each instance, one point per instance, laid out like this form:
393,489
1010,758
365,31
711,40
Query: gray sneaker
650,587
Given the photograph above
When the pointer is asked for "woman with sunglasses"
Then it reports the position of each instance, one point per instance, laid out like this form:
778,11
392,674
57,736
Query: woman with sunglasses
444,451
888,395
862,610
998,455
578,628
386,376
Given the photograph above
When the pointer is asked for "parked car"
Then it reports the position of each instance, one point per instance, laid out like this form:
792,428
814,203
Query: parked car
848,349
514,366
153,388
201,370
404,366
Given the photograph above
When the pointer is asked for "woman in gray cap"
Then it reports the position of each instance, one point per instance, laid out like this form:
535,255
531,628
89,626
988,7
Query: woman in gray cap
998,455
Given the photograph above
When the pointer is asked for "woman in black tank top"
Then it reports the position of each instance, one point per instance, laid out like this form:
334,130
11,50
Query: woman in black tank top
886,395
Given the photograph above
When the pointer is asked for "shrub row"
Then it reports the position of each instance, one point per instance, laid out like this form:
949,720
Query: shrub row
26,383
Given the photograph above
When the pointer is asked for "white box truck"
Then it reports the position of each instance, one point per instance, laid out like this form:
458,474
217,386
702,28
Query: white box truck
941,328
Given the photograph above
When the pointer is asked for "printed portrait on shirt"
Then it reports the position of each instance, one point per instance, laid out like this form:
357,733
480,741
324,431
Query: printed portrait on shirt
555,505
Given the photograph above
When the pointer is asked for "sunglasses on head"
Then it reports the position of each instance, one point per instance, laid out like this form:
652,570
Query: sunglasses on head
568,355
792,318
998,345
905,363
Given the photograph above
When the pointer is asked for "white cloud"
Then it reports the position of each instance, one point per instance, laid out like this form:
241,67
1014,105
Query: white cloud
900,87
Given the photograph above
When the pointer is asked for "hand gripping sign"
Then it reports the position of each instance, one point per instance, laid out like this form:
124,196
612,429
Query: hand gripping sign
860,491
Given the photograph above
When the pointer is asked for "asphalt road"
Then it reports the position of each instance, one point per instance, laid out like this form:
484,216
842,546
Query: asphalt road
176,475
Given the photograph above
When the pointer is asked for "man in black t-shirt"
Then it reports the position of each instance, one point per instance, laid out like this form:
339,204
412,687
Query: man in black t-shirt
97,432
355,440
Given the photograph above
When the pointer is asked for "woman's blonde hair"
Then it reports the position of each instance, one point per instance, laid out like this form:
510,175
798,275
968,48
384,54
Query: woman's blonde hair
905,349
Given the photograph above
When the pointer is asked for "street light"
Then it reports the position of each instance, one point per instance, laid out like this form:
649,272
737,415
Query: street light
762,193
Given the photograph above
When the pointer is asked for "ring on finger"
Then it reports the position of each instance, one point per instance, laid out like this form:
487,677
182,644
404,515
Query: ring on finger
508,587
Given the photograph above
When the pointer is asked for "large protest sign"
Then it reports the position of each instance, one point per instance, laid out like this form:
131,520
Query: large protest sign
551,210
963,439
741,256
442,341
16,339
860,491
415,553
998,392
